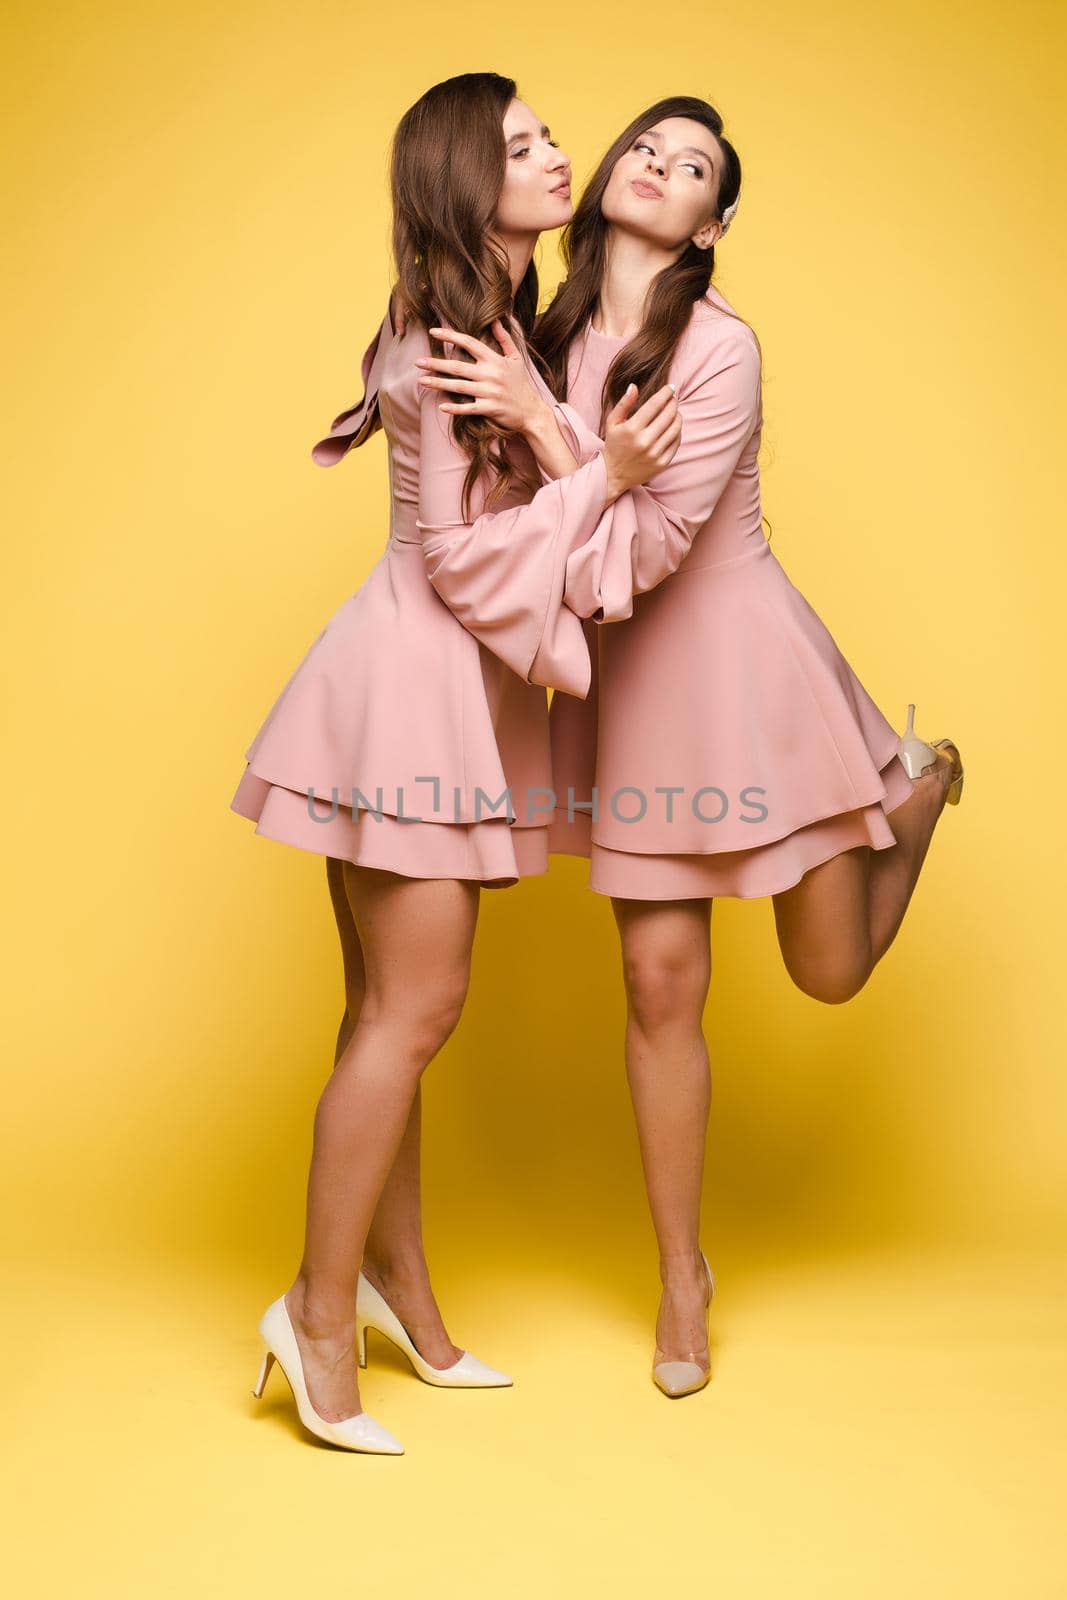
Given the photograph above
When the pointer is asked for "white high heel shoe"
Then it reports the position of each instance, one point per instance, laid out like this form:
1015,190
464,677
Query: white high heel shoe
374,1311
279,1345
676,1378
918,757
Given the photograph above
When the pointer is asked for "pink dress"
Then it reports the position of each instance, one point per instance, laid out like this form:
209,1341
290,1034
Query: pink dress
413,735
731,746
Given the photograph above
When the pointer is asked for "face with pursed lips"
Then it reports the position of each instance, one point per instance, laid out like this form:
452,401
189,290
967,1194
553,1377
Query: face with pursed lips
666,186
536,193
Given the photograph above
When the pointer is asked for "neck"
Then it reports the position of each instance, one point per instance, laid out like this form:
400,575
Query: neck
630,264
520,249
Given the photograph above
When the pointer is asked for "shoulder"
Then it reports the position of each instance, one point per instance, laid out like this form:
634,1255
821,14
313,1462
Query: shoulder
713,322
413,342
400,372
715,341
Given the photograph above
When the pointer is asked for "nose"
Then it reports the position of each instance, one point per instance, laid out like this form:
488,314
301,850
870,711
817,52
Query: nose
657,165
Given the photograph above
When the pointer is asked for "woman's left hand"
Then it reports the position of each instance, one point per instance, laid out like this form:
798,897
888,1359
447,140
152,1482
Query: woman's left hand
499,385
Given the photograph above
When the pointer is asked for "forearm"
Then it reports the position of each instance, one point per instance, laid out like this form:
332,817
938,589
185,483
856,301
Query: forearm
556,459
545,438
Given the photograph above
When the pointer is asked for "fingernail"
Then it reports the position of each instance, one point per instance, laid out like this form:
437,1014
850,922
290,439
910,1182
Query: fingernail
671,387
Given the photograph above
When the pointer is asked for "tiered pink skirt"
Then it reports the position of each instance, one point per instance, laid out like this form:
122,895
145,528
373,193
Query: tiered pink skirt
492,851
738,874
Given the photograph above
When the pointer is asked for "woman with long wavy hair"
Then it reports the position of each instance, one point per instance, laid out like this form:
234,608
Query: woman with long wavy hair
420,711
726,747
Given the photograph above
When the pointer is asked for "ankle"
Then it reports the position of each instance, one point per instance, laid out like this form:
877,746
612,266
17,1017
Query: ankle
681,1268
321,1314
945,773
397,1268
932,786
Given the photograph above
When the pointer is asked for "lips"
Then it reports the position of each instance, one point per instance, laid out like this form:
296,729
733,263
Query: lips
562,188
647,191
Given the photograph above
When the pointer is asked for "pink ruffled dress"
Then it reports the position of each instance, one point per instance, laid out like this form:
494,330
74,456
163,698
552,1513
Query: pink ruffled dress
413,734
730,744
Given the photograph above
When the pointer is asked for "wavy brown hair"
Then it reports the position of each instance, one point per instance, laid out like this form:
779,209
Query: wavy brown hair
448,163
646,359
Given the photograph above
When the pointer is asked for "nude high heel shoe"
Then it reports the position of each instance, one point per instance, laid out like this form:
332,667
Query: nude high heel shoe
676,1378
352,1433
919,757
374,1311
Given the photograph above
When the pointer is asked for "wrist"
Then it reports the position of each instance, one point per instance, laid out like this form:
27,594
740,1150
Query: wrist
539,422
615,484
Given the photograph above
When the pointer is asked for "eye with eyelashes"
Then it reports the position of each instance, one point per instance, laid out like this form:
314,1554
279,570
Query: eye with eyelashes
697,168
525,150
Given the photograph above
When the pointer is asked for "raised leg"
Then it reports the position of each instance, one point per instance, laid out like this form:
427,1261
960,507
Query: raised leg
836,924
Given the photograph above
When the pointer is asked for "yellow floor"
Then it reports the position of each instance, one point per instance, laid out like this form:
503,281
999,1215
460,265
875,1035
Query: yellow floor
874,1426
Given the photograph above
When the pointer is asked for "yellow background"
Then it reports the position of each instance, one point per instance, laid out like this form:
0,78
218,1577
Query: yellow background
198,224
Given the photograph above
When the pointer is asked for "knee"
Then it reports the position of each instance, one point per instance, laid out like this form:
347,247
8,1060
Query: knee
431,1017
664,992
830,982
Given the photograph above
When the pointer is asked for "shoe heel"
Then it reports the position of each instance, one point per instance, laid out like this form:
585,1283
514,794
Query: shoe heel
915,754
357,1432
269,1359
374,1311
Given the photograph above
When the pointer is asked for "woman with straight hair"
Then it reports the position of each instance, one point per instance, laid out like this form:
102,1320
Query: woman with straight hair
410,746
726,748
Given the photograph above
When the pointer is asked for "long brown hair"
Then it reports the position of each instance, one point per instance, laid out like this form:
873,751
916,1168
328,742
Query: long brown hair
646,359
448,163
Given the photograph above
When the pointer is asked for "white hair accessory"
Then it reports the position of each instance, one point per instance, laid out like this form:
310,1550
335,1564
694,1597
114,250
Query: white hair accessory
730,213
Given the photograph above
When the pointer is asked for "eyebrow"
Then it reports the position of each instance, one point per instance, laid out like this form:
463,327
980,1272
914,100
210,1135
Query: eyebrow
524,135
691,148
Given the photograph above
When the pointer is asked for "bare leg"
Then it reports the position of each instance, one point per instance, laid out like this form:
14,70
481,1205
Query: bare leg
837,923
416,938
394,1259
666,956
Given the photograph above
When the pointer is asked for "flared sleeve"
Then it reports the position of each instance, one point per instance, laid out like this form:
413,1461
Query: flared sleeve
351,427
502,574
645,534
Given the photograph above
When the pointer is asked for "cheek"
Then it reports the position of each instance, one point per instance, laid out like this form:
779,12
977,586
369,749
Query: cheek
623,171
616,185
520,186
690,212
510,195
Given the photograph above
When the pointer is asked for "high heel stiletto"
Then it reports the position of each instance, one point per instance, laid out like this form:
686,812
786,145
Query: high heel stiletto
919,757
676,1378
352,1433
374,1311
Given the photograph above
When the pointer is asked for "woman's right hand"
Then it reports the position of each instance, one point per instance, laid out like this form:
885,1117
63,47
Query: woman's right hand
638,446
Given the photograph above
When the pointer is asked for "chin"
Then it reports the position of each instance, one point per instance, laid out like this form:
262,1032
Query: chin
637,224
559,215
629,209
